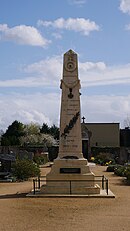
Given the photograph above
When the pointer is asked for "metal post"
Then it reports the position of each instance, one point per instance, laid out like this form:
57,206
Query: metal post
33,186
107,186
70,187
103,182
38,182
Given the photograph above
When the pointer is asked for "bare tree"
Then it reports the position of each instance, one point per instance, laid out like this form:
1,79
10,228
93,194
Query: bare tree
127,122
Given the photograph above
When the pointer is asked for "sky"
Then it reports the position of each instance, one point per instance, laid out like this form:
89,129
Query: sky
34,35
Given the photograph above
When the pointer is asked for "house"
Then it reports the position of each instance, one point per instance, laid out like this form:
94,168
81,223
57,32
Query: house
103,137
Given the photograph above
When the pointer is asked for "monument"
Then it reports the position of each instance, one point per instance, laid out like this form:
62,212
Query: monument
70,172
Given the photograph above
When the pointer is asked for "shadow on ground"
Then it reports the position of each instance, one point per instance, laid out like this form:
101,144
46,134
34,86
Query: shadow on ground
16,195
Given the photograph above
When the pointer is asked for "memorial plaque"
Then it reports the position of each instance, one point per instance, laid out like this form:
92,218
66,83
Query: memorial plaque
70,170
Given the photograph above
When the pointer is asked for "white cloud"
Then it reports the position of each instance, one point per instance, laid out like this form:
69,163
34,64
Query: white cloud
45,108
37,108
87,66
23,34
48,72
101,75
77,2
105,108
127,27
25,82
125,6
85,26
49,69
57,35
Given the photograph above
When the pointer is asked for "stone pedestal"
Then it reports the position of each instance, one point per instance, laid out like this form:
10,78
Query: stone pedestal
70,177
70,173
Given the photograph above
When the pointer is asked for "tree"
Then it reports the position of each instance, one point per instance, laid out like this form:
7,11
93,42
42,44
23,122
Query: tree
53,130
45,140
1,132
45,129
13,134
31,129
127,122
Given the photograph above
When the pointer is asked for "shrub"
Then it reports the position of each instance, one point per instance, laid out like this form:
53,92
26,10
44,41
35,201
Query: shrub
112,167
104,159
127,174
40,159
23,169
120,170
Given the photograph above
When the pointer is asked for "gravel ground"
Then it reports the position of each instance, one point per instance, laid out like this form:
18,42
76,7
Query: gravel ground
19,213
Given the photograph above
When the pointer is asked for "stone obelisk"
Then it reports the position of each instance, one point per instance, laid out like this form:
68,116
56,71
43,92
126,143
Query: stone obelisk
70,171
70,124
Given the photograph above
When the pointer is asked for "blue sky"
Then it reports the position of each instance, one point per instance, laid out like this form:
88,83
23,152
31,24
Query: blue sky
34,35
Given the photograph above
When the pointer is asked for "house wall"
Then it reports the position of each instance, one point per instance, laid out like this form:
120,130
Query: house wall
104,134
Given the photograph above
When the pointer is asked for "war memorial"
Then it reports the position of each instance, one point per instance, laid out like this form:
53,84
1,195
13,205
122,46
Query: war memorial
70,172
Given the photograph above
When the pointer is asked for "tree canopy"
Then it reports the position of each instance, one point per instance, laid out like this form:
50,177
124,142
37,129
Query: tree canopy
13,134
53,130
29,134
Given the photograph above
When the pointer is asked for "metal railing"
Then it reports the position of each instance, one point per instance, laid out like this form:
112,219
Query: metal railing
102,181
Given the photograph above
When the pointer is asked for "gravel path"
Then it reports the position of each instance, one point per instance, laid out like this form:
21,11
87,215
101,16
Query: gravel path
19,213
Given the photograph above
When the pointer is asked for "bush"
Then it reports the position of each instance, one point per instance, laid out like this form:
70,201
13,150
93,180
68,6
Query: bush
120,170
112,167
23,169
40,159
104,159
111,152
127,174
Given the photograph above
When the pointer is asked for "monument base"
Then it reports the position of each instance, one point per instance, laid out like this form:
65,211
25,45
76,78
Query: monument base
70,176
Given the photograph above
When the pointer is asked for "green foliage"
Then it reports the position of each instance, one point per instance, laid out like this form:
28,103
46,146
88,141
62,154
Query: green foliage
104,159
112,152
111,168
20,134
127,174
120,170
24,169
32,129
53,130
40,159
13,134
45,129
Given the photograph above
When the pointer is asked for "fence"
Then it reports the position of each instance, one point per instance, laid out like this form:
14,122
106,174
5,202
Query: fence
102,181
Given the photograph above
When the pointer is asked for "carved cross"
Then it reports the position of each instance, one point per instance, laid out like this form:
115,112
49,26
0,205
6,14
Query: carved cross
83,118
